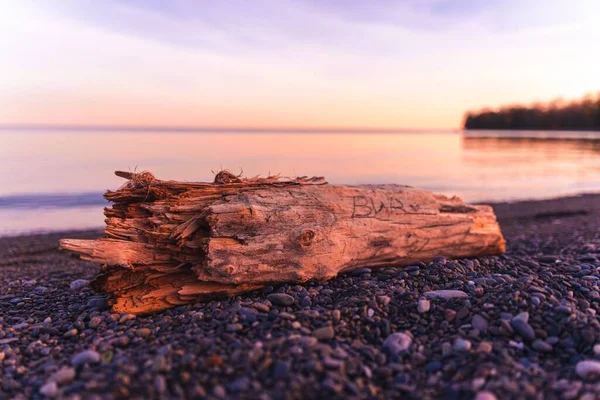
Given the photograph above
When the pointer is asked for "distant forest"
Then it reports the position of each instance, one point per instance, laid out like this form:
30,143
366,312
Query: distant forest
583,114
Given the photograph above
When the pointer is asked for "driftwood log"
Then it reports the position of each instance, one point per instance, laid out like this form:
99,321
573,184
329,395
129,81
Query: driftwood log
169,243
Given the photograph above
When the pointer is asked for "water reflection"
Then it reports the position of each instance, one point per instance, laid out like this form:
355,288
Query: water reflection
517,168
475,168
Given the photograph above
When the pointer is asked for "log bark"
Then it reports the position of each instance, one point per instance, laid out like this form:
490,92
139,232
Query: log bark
170,243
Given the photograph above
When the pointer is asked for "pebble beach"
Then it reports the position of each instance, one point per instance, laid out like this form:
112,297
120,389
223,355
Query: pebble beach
521,325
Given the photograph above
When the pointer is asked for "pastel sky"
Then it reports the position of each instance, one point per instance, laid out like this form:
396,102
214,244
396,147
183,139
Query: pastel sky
289,63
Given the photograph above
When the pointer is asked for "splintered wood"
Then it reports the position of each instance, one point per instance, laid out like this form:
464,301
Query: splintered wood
170,243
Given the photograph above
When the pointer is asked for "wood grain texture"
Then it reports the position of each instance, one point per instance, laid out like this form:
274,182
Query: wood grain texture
169,243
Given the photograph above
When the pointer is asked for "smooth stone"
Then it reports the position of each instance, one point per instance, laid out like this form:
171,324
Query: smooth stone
485,395
239,385
563,309
480,323
234,327
324,333
446,294
588,369
523,316
281,299
49,389
336,314
462,345
79,284
397,343
597,349
100,303
523,329
143,332
433,366
63,375
541,345
281,370
261,307
423,305
85,357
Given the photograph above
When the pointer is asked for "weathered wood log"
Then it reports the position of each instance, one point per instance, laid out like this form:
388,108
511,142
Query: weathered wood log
169,243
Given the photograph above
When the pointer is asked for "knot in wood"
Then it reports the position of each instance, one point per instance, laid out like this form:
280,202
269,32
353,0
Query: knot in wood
306,237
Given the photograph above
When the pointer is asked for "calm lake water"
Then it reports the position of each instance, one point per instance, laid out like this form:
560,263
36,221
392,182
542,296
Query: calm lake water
53,180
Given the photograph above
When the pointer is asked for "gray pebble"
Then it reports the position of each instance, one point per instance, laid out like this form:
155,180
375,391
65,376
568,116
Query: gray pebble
541,345
79,284
462,345
523,329
397,343
324,333
480,323
49,389
281,299
446,294
86,357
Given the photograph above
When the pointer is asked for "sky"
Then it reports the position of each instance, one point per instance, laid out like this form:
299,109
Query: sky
289,63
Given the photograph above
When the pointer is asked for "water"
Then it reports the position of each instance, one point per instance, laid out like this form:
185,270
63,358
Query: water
54,179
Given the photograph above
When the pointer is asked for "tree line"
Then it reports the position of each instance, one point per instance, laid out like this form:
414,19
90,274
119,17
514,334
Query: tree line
582,114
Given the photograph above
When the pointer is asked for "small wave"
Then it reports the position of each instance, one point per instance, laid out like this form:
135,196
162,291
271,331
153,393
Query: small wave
52,200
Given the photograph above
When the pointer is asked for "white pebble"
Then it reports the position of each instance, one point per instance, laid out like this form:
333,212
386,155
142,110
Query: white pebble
588,369
423,306
485,395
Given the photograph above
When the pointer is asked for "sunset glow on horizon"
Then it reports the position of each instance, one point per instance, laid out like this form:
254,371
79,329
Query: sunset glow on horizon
300,63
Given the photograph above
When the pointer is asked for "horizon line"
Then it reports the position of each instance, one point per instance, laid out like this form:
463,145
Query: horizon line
217,129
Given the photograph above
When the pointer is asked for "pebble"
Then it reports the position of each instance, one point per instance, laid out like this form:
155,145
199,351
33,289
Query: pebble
79,284
63,375
143,332
597,349
324,333
22,325
446,294
433,366
261,307
49,389
480,323
94,322
485,395
523,316
160,384
541,345
588,369
241,384
485,347
523,329
234,327
281,299
423,305
86,357
462,345
336,315
397,343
